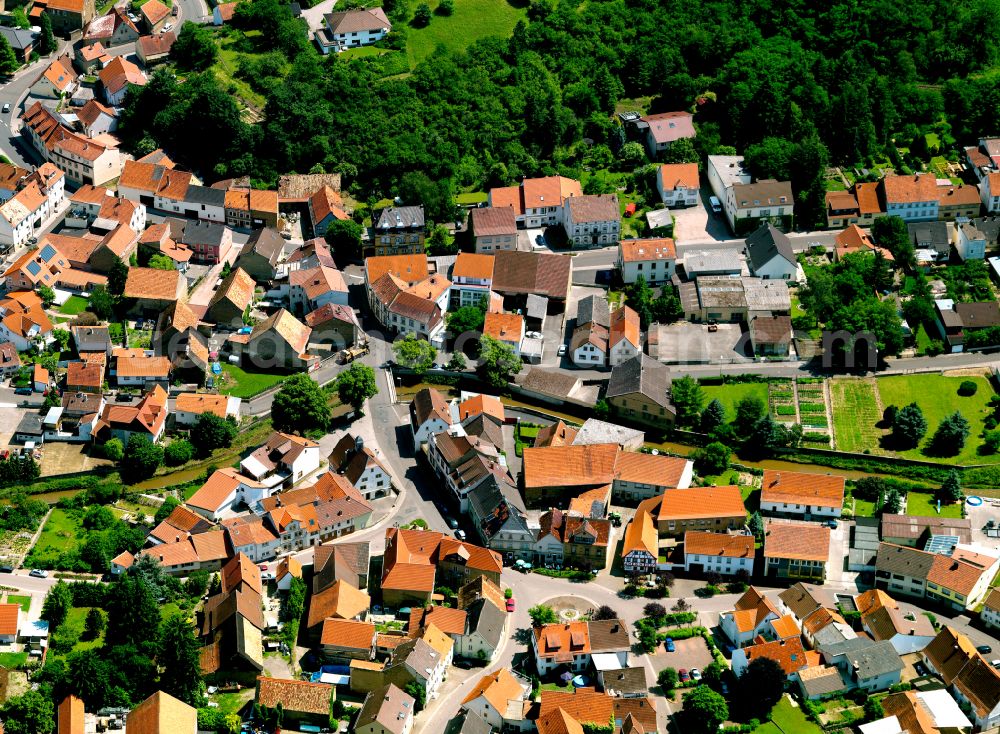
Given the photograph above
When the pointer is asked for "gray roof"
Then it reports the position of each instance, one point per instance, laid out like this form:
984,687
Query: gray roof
822,683
537,306
19,38
389,706
766,295
401,217
488,620
548,382
832,634
766,192
872,659
593,309
205,195
989,226
491,494
30,424
199,232
641,374
265,242
626,680
595,431
929,234
846,647
766,243
712,261
418,655
467,722
904,561
911,527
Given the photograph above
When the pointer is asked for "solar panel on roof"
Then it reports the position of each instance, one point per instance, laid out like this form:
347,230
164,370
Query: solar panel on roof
943,544
34,268
48,252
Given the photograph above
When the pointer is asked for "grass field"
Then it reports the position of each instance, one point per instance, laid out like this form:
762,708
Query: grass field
62,532
472,20
242,384
786,719
937,397
855,413
24,601
12,660
729,395
924,505
74,305
473,197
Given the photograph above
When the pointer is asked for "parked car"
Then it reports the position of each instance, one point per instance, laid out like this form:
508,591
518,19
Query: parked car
683,675
452,523
920,669
984,649
716,204
534,335
39,573
669,644
23,391
562,350
460,534
511,605
167,28
832,524
695,674
6,569
6,107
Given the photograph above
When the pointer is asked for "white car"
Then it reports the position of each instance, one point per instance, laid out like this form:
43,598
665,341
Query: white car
534,335
562,350
39,573
167,28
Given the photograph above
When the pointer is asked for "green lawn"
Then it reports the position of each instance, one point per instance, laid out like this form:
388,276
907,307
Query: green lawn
863,508
24,601
74,626
788,719
242,384
472,20
729,395
62,532
73,306
924,505
12,660
855,413
474,197
937,397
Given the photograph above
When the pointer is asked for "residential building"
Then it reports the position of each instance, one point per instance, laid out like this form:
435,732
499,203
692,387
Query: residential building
140,370
84,160
655,259
788,654
870,666
913,198
303,704
283,460
22,41
10,361
498,514
921,712
771,336
471,278
399,230
658,132
222,490
180,524
564,539
638,392
154,16
882,618
989,190
770,255
352,28
517,276
430,413
359,466
624,336
493,229
117,76
312,288
572,644
232,299
640,548
499,698
564,711
639,476
959,580
796,550
23,322
713,509
592,220
152,50
154,290
990,613
148,418
223,13
958,201
58,79
190,406
97,119
970,243
386,710
537,202
589,342
340,600
280,341
506,328
249,209
718,553
209,242
805,496
914,530
112,29
678,184
161,713
748,205
334,326
751,618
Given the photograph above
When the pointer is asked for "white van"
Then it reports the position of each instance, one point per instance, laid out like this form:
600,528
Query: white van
716,204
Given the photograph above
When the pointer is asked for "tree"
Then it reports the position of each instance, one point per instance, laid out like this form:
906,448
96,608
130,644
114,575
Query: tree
445,7
133,611
194,49
94,624
344,237
466,319
602,410
416,689
8,61
892,234
631,156
756,525
141,459
422,16
161,262
180,668
681,151
892,503
196,584
873,710
704,710
117,277
749,411
713,417
909,426
414,354
47,295
951,488
761,687
179,451
98,517
605,612
211,432
497,362
441,242
29,713
666,308
712,459
949,438
640,298
301,405
682,606
654,610
356,384
101,303
667,680
542,614
57,604
20,18
457,362
688,399
47,42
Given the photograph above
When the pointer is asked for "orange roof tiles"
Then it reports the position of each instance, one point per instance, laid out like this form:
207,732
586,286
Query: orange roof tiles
199,403
84,374
154,11
641,535
722,545
479,404
562,640
142,366
60,74
216,489
784,627
507,327
624,326
570,466
644,250
151,283
789,654
868,199
252,200
325,202
341,601
347,633
955,574
470,265
798,540
497,688
448,620
677,175
820,490
662,471
549,191
914,188
960,195
119,73
8,618
706,502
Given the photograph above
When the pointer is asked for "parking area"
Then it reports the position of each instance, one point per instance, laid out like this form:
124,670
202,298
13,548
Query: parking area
68,458
687,654
979,516
699,224
687,343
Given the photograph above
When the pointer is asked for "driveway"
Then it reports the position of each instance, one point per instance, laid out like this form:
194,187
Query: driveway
688,654
314,15
699,223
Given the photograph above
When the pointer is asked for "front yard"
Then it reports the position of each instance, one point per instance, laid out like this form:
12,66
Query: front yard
240,383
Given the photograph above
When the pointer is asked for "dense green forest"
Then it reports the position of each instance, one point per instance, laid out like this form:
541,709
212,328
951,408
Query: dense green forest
794,85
